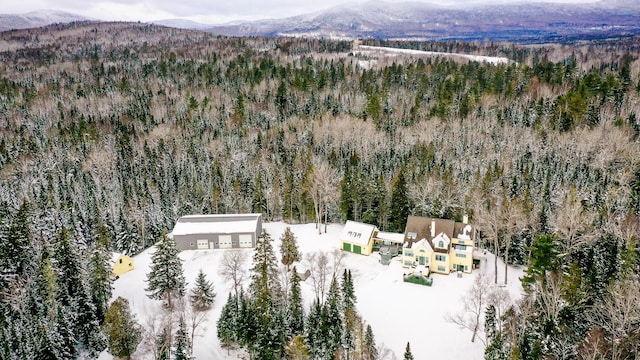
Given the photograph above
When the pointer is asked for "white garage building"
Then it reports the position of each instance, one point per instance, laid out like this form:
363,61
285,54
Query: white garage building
226,231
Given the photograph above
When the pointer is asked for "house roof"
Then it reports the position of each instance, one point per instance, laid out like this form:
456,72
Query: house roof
464,231
115,256
442,237
419,227
357,233
422,242
216,224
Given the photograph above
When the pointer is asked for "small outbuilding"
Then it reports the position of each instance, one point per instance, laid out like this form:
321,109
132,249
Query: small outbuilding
358,237
120,264
227,231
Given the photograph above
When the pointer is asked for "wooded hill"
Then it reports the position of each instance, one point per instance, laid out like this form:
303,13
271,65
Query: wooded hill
114,130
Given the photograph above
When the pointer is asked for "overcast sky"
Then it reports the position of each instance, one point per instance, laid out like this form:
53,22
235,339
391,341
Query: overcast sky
206,11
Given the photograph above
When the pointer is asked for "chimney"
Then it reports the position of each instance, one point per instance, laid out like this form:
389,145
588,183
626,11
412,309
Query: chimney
465,219
433,228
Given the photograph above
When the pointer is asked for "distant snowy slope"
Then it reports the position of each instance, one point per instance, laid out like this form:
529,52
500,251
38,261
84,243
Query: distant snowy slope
524,20
180,24
37,19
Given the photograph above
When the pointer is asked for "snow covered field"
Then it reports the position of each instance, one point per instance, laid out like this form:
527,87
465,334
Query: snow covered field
397,312
364,49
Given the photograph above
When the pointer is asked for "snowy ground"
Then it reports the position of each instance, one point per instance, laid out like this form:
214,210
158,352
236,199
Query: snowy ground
365,49
397,312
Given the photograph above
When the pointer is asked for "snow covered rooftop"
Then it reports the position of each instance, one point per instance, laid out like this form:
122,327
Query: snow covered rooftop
392,237
422,242
357,233
216,224
114,257
442,237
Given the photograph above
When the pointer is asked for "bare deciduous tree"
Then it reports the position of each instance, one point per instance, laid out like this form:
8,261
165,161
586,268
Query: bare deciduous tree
572,224
499,220
232,267
323,266
618,315
471,317
322,191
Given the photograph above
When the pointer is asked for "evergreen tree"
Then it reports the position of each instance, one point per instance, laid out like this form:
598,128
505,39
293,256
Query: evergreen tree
17,245
264,278
202,295
399,203
543,258
289,248
181,343
227,325
74,294
51,343
266,300
333,320
350,316
407,352
297,349
122,330
495,344
100,273
248,323
259,201
166,278
314,330
348,291
370,352
295,312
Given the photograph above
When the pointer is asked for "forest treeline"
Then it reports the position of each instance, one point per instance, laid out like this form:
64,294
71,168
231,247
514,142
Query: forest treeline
115,130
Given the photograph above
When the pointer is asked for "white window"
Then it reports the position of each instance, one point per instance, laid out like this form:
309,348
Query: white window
224,241
245,241
203,244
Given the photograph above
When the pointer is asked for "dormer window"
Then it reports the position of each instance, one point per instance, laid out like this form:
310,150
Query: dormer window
412,235
441,244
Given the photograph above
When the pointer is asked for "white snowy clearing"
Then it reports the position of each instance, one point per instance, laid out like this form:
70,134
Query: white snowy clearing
366,49
397,312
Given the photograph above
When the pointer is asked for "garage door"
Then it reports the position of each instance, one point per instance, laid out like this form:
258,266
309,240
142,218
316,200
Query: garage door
203,244
245,241
224,241
346,246
357,249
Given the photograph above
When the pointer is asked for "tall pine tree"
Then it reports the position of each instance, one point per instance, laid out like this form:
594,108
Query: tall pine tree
166,279
400,204
295,312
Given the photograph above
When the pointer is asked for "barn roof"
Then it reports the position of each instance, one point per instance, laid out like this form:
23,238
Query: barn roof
357,233
216,224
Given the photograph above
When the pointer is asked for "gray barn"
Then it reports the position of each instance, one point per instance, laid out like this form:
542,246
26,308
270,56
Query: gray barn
217,231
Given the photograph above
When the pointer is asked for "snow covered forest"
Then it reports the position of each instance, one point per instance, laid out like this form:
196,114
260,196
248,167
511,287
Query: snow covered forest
111,131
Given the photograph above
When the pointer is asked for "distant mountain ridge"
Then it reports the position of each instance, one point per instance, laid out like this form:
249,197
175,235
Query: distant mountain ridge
524,21
516,21
37,19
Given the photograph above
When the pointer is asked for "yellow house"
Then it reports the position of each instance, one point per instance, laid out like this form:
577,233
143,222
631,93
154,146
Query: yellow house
417,253
462,248
120,264
358,237
441,245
